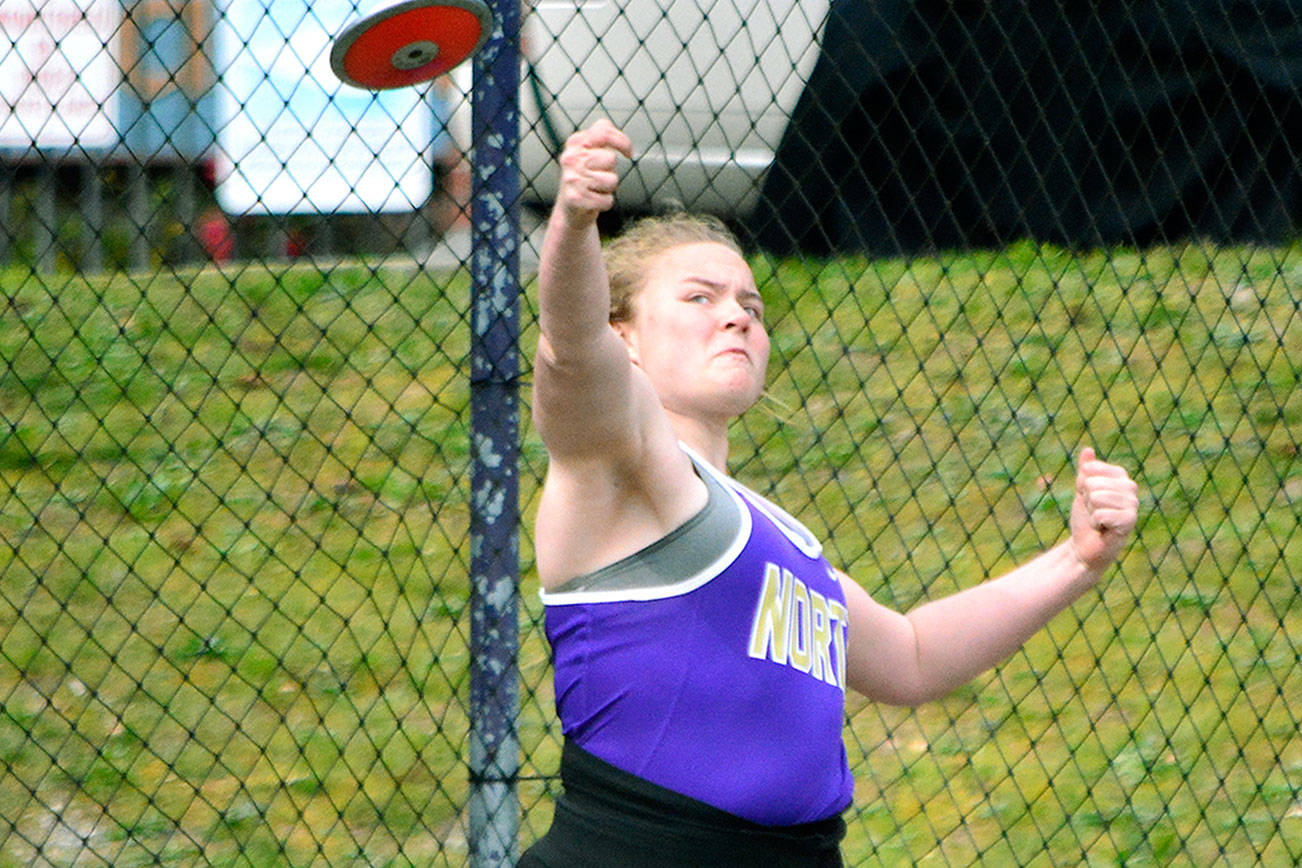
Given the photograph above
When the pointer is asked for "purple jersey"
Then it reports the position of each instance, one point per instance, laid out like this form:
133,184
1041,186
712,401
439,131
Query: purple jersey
712,663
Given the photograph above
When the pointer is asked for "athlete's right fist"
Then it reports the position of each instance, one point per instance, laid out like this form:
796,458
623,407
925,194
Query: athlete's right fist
588,170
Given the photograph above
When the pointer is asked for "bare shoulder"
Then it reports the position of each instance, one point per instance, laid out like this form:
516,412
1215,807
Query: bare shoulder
595,511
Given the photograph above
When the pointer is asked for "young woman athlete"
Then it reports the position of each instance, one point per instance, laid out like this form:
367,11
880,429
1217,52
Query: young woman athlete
702,643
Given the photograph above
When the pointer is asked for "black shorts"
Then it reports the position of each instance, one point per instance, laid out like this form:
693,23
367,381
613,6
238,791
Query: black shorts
608,818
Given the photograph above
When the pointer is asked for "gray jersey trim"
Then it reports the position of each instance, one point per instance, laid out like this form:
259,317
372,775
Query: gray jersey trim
685,553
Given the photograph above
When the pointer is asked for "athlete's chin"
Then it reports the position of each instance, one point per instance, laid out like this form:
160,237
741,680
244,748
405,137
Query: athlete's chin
728,395
744,396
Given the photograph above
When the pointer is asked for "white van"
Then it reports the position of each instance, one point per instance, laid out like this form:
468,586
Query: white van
703,87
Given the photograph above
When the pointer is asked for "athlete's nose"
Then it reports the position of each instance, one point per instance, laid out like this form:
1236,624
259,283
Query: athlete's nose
736,315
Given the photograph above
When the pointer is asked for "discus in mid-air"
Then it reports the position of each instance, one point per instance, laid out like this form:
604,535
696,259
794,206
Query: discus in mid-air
409,43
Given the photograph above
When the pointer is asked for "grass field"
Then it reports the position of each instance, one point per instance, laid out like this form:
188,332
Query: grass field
233,582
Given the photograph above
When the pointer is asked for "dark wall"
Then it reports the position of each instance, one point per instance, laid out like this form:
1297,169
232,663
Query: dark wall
956,124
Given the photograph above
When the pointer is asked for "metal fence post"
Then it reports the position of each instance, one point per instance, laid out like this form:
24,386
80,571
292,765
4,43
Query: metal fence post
495,417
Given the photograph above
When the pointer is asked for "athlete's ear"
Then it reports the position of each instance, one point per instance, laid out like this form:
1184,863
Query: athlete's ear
629,337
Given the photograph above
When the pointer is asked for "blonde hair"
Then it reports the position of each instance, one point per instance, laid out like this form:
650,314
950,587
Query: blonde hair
627,255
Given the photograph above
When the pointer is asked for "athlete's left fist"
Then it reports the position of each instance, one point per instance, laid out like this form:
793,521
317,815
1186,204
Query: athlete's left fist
1104,512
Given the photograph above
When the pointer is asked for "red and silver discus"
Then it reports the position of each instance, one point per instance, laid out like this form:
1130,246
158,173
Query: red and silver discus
409,42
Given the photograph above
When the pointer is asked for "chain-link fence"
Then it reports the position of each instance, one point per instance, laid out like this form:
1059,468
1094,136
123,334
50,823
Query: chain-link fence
259,458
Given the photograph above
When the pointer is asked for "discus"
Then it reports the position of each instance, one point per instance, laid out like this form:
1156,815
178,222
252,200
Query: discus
410,42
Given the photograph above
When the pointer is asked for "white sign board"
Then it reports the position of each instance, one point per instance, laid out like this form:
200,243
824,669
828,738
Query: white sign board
59,73
292,138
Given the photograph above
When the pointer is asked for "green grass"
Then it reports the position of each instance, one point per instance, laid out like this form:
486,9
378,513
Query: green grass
235,521
236,540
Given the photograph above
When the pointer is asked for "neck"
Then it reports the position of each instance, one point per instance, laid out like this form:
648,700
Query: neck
707,439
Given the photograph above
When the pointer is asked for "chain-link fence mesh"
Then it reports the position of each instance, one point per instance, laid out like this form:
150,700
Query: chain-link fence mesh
237,389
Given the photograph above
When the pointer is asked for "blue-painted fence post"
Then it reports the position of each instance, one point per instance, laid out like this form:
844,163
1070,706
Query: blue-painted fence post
495,423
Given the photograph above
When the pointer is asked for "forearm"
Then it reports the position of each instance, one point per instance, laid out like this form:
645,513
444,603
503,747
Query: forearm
960,636
573,293
909,659
582,399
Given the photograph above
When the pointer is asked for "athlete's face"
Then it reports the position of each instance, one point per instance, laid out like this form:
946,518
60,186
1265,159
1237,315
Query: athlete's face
698,331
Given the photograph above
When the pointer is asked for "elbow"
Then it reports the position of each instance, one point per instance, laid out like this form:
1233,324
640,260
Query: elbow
906,678
903,695
906,686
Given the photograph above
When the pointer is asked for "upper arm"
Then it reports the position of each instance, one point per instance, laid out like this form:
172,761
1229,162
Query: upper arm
617,480
584,402
881,651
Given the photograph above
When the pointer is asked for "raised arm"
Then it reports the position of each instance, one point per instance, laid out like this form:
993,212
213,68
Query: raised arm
574,295
913,658
616,477
583,394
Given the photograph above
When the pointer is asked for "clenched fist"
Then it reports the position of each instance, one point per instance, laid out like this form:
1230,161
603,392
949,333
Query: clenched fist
1104,511
588,171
